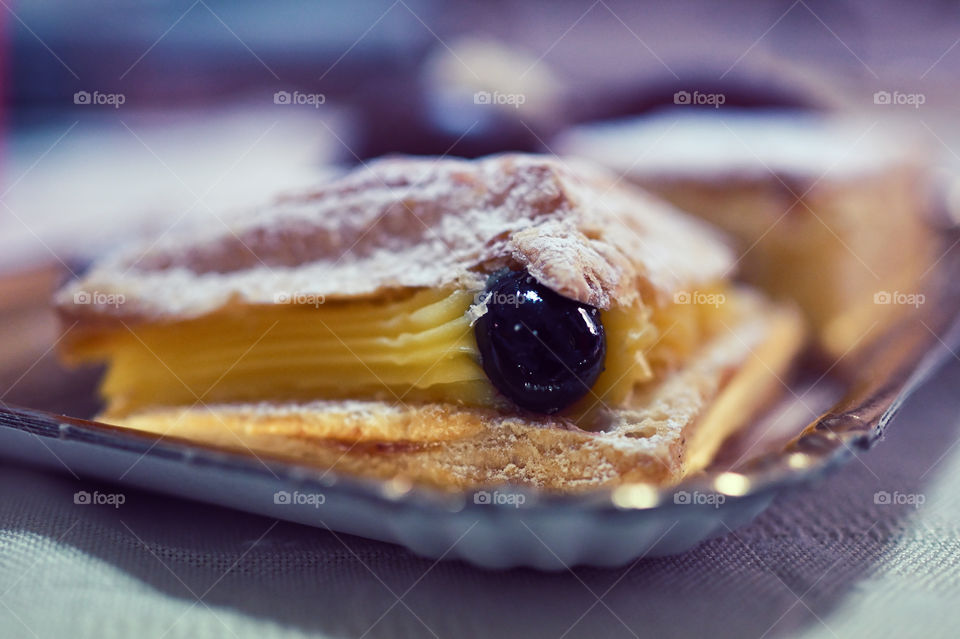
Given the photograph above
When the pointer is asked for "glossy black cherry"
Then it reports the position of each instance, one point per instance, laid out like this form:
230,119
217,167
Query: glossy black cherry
540,349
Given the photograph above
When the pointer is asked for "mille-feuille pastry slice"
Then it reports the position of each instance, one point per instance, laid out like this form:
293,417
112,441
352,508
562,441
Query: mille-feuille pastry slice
827,211
454,323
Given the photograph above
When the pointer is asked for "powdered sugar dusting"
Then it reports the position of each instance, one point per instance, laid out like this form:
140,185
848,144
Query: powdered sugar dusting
410,223
737,144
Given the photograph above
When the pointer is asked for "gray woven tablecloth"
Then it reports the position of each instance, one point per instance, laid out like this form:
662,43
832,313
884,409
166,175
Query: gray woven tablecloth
822,562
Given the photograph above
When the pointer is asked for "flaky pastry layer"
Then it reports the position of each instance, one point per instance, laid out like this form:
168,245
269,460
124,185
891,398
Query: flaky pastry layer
669,430
407,223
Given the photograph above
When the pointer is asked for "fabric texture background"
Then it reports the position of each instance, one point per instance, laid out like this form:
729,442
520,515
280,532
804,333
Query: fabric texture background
823,561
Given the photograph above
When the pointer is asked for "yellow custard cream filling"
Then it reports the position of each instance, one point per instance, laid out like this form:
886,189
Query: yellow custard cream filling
417,348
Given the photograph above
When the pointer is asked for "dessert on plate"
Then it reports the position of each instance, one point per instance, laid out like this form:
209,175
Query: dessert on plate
454,323
825,210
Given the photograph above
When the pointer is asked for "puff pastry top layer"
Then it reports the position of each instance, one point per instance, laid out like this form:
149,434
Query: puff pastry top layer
743,144
403,223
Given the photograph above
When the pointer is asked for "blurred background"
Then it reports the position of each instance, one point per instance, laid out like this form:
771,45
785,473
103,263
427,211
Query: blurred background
185,111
